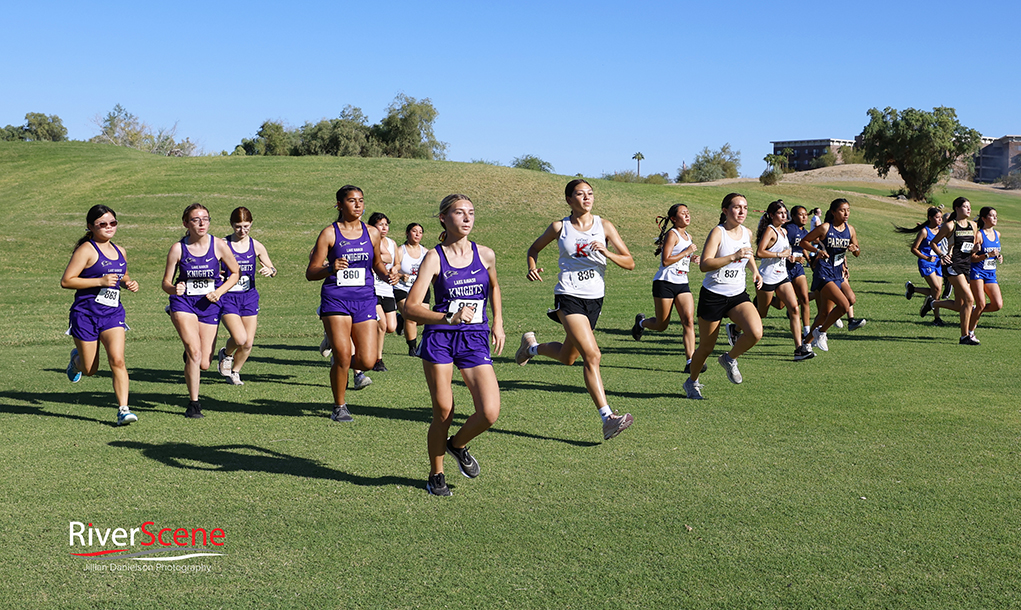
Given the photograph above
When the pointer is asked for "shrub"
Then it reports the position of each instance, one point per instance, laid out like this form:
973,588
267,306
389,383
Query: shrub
771,176
1011,181
533,163
712,165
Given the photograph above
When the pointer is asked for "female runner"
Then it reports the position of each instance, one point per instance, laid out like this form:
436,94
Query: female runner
344,258
983,267
457,333
411,255
386,304
775,251
582,238
929,266
962,237
670,284
195,295
833,294
725,257
240,305
96,272
796,233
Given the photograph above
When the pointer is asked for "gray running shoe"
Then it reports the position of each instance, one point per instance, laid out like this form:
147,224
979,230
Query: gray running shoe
730,365
235,378
361,381
637,330
693,389
527,341
469,465
437,485
341,414
819,340
615,424
856,323
224,362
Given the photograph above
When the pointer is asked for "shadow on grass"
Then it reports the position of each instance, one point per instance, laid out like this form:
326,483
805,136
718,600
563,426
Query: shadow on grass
251,458
140,402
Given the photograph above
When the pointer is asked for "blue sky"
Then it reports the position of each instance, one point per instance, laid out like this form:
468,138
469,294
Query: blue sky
583,85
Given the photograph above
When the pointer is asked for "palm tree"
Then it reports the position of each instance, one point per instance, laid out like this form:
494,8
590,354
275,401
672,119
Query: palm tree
638,157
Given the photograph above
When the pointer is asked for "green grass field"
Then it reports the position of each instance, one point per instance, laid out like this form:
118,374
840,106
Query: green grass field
882,474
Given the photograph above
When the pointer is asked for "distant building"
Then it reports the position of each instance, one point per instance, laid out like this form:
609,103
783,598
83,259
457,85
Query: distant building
997,157
806,151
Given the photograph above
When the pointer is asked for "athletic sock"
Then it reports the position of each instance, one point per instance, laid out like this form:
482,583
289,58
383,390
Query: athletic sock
533,350
605,412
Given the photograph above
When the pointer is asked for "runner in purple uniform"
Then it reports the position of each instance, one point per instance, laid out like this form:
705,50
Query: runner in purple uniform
458,332
195,295
96,272
344,258
240,305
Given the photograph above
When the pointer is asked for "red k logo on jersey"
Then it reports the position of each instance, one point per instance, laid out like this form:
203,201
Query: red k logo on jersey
582,249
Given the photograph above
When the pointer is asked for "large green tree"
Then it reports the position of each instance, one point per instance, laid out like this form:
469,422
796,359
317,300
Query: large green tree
533,163
37,128
923,146
407,130
121,128
712,165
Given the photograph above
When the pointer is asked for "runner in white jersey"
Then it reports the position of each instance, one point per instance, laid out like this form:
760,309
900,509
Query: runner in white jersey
582,239
411,254
386,304
725,257
774,250
670,284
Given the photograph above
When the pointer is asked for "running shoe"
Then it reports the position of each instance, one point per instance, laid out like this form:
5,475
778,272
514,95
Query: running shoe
938,322
469,465
733,334
437,485
194,410
839,323
638,329
687,367
968,340
730,365
693,389
615,424
803,352
856,323
125,416
909,290
325,349
527,341
341,414
362,381
224,362
819,340
379,367
235,378
926,306
412,349
73,374
973,337
400,325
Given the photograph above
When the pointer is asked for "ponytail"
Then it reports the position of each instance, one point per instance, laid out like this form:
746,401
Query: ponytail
931,213
661,222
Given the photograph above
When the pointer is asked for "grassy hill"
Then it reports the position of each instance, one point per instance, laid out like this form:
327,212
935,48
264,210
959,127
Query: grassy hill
880,474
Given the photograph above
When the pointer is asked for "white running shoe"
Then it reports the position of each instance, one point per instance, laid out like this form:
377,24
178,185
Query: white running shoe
730,365
224,362
840,323
527,341
235,378
693,389
325,349
819,340
125,416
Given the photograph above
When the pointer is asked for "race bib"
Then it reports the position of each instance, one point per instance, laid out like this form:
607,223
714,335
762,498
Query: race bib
684,264
351,277
111,297
967,247
199,287
989,264
838,259
584,275
244,284
456,306
729,275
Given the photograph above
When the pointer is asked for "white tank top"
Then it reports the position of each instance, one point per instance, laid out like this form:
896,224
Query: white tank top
774,270
383,287
409,266
582,268
729,281
677,273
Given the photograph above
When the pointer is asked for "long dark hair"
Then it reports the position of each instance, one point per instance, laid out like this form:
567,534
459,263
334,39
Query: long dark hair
767,218
341,194
726,204
95,213
984,213
666,223
794,212
573,184
834,206
957,203
377,216
930,214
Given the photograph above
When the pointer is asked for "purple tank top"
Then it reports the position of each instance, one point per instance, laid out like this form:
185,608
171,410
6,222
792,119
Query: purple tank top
354,283
457,287
246,264
201,274
101,300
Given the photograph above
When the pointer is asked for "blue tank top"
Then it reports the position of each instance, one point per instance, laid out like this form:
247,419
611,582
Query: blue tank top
201,274
988,264
101,300
354,283
246,265
836,242
925,246
794,235
457,287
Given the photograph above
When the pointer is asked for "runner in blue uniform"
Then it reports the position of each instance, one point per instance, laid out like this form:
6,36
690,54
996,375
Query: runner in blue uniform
983,267
458,332
97,272
344,258
240,305
833,294
195,295
796,233
929,265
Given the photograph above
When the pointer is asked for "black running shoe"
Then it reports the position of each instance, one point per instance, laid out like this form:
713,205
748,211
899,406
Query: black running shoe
638,329
379,367
733,334
938,322
856,323
687,368
194,410
804,352
437,485
926,306
400,325
469,466
969,340
412,349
